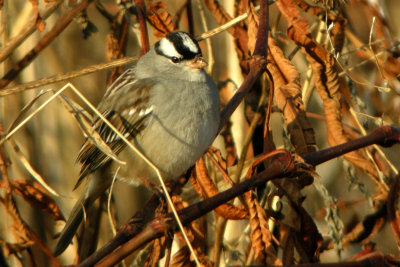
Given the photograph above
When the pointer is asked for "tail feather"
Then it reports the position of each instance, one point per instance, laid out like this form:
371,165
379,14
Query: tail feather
97,185
71,226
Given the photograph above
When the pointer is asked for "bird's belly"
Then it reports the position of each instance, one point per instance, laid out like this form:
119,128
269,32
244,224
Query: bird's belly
173,150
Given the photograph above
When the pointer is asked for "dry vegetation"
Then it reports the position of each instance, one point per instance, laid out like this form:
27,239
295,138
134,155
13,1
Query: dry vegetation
303,76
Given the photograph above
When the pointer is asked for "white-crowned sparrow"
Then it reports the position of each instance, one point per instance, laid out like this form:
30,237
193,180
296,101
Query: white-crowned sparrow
166,105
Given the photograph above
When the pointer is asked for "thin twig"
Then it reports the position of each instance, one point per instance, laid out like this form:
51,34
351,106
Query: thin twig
110,220
144,37
61,23
372,51
250,132
384,136
208,42
67,76
225,26
27,30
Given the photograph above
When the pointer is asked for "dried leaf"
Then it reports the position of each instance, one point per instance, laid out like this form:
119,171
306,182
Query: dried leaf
112,47
288,98
308,239
36,195
306,7
181,258
18,227
252,27
337,33
326,79
261,237
208,189
368,228
156,252
160,19
21,230
30,169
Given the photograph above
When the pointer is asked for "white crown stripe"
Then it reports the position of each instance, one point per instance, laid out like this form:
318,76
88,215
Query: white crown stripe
168,48
189,43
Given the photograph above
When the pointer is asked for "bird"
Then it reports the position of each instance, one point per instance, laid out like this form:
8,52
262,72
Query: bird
166,105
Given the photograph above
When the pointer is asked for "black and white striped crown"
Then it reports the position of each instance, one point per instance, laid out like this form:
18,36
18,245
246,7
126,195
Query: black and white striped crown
180,45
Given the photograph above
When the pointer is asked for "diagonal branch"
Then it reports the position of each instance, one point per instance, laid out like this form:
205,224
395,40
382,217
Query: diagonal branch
257,64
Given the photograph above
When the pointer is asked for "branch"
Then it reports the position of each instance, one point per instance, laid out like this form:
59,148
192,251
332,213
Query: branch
257,64
66,76
385,136
59,26
282,166
144,37
27,30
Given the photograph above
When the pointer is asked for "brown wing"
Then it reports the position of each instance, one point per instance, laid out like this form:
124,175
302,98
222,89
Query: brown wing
126,106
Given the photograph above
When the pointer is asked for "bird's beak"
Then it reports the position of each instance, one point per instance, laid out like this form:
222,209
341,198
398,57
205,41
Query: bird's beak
198,63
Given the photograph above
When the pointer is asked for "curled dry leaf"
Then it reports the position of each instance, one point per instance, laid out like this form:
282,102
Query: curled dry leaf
326,79
306,238
252,27
203,182
368,227
337,33
112,47
37,196
160,19
260,236
156,252
18,227
182,258
288,98
198,241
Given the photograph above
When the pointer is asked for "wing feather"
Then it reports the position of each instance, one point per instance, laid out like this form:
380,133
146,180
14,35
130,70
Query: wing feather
126,106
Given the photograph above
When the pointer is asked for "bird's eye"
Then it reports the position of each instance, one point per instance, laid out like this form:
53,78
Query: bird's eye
175,59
